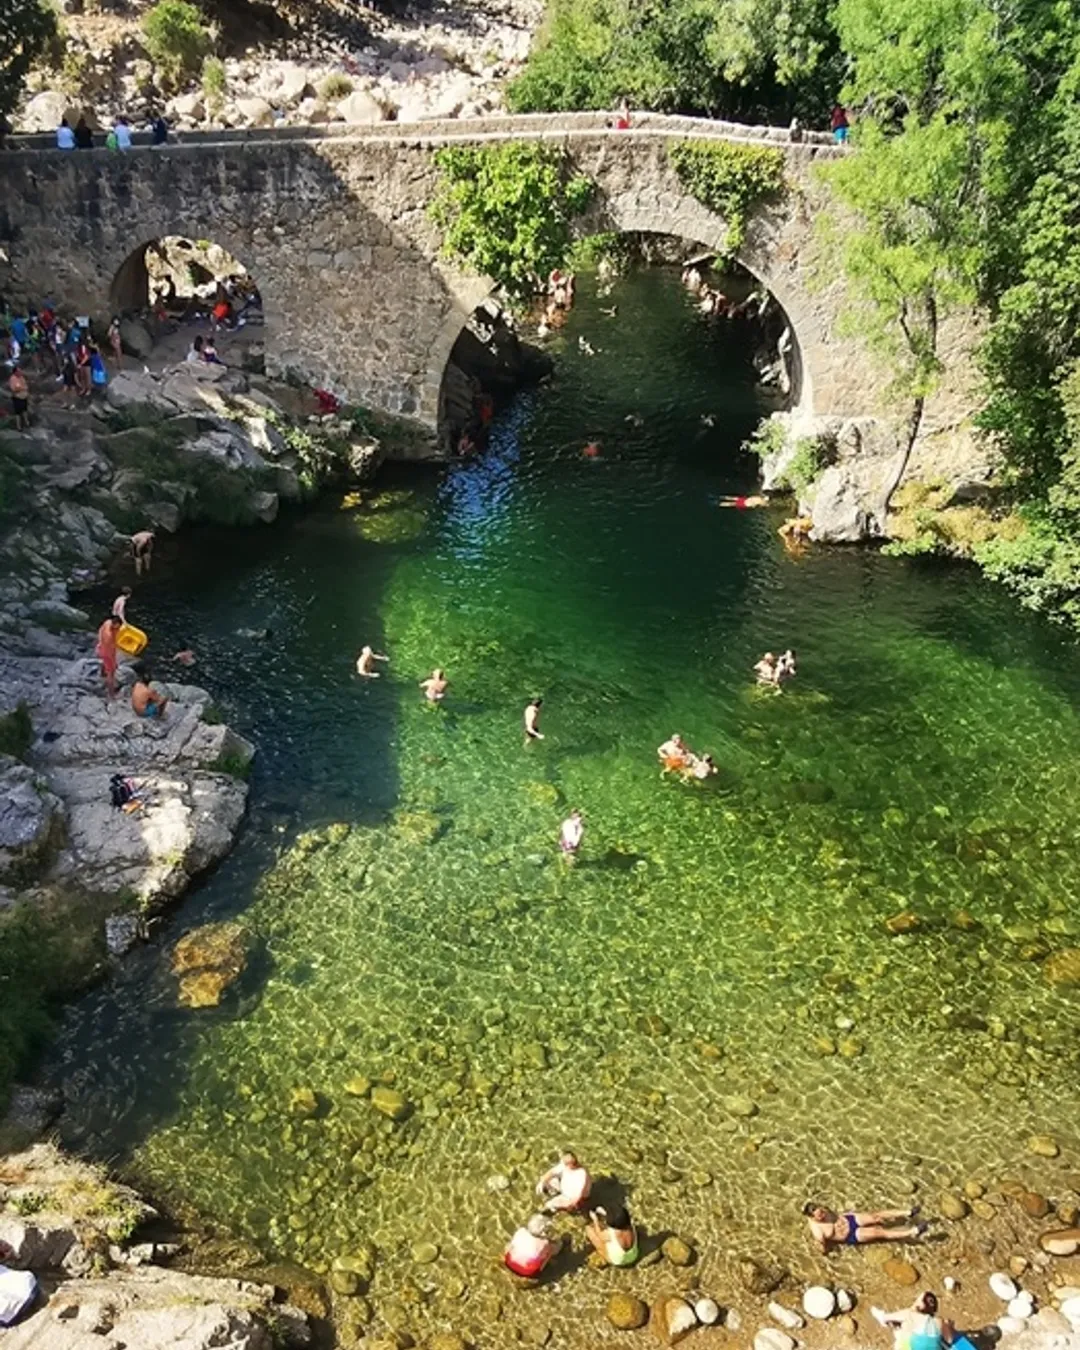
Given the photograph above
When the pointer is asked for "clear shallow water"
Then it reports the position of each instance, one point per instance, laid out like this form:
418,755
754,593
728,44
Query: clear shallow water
711,939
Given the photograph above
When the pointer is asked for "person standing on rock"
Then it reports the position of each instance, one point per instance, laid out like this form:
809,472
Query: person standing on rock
850,1230
107,653
142,550
119,605
115,341
20,398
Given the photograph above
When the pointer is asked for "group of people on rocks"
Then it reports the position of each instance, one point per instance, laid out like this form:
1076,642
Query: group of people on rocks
565,1189
41,340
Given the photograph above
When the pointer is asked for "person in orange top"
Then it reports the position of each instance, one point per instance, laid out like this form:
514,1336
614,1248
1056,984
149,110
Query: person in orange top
106,650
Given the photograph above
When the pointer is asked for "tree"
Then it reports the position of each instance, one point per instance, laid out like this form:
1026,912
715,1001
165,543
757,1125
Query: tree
746,58
26,29
176,38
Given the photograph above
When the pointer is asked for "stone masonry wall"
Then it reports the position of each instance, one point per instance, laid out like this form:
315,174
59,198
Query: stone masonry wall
335,231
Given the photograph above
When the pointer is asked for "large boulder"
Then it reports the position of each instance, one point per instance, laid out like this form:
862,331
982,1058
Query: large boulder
360,109
293,85
255,112
1063,968
139,389
137,338
31,820
208,960
45,110
188,107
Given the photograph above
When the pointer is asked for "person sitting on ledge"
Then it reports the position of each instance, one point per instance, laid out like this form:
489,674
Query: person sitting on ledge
566,1185
613,1237
145,701
531,1248
853,1229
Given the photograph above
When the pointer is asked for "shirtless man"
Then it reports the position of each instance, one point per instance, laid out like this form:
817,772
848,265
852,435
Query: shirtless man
119,605
571,833
185,656
145,701
142,550
532,720
699,767
674,753
365,663
106,650
766,670
743,503
850,1230
566,1185
435,686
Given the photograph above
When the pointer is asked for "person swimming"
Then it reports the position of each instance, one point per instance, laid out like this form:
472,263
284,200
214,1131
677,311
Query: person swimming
785,667
365,662
700,767
435,686
743,503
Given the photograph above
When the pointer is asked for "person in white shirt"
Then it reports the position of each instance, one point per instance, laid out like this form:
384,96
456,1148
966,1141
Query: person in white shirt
566,1185
65,137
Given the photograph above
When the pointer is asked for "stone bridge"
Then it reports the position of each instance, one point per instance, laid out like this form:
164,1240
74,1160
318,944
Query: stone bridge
334,229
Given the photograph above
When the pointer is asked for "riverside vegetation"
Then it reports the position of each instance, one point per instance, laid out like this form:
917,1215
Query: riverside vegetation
966,187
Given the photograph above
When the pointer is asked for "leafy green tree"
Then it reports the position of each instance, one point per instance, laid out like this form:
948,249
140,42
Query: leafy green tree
177,39
746,58
507,210
26,29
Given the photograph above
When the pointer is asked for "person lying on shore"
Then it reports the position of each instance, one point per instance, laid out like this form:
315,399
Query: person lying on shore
567,1185
435,686
365,662
613,1237
857,1227
919,1327
531,1248
147,702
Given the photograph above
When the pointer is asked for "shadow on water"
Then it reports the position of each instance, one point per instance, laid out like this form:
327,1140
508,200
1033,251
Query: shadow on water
276,617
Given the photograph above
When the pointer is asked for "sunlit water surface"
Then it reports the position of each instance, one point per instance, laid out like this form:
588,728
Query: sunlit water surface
716,942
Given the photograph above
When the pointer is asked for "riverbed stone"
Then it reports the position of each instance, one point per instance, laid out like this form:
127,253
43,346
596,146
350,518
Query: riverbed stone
787,1317
672,1319
1063,967
1061,1241
900,1271
358,1086
626,1312
208,961
303,1103
678,1251
772,1338
819,1303
907,921
424,1253
953,1207
740,1105
390,1103
759,1278
1034,1205
1043,1146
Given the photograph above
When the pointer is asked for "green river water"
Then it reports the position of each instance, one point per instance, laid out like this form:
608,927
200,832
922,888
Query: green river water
708,1006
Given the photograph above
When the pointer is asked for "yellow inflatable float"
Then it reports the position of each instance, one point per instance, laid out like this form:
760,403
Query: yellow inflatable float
131,640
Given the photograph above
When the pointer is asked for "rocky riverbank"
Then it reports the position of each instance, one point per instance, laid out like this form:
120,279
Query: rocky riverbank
100,1288
444,60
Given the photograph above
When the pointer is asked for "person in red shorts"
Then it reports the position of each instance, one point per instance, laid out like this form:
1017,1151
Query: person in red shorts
531,1248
